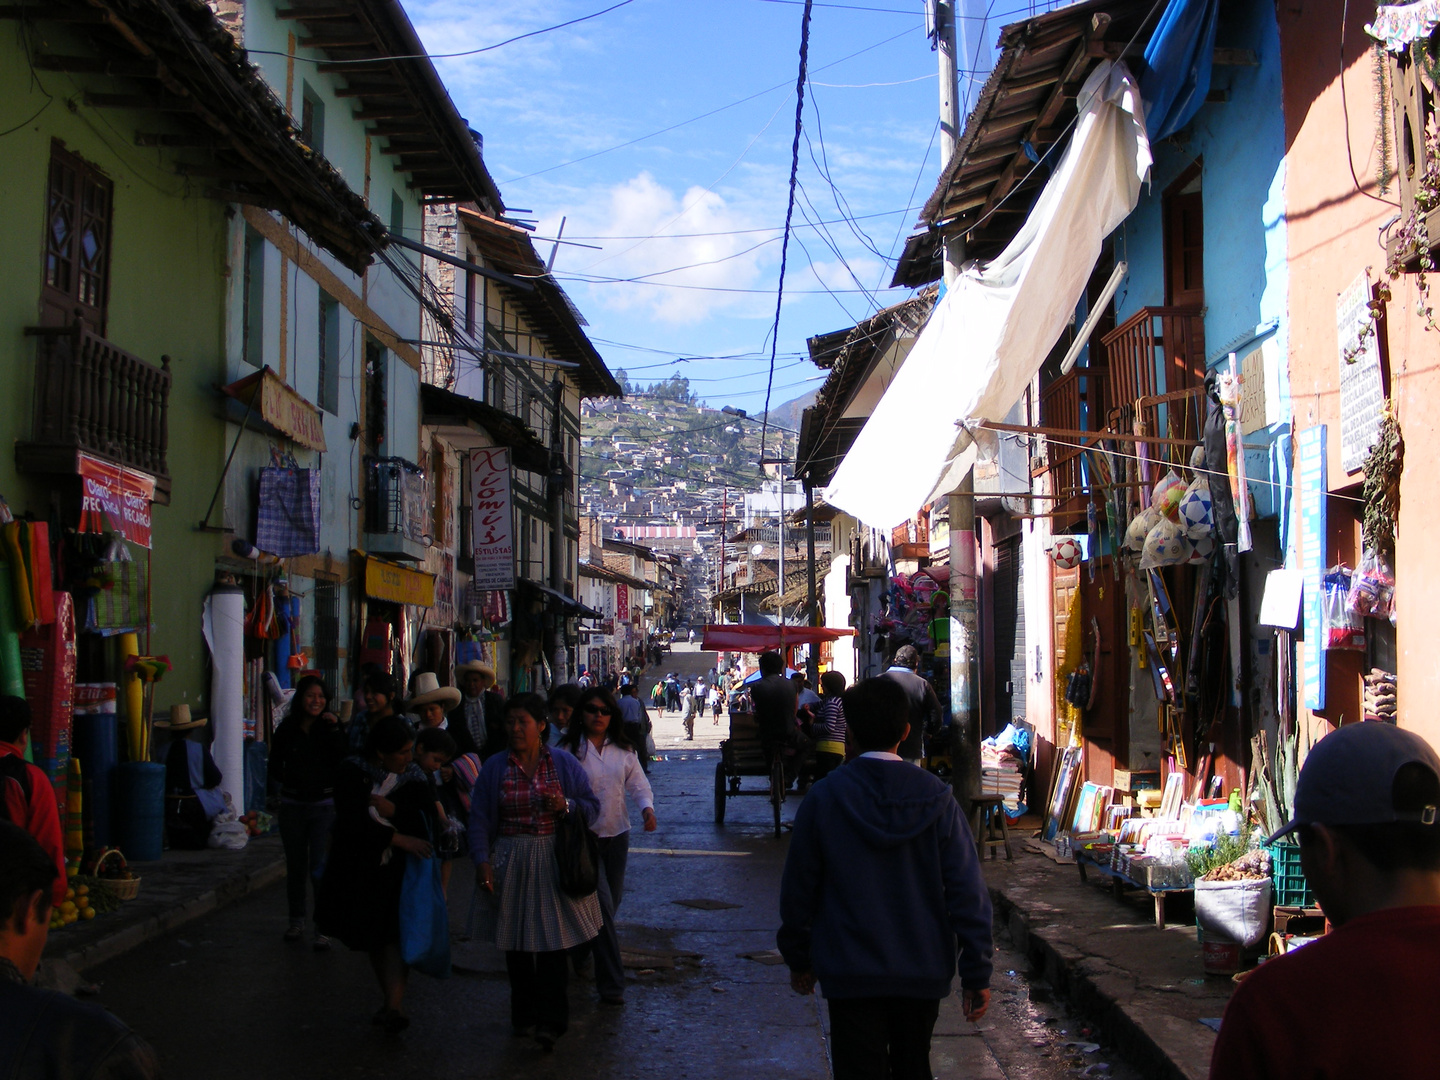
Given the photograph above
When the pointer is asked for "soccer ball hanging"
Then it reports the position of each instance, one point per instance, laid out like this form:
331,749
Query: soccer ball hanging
1066,553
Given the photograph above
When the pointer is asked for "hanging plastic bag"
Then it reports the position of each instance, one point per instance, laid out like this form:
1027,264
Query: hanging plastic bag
424,920
1372,587
1167,493
1140,527
1165,545
1196,511
1343,629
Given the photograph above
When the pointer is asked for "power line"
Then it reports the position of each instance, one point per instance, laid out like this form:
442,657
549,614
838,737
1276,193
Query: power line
730,232
704,115
448,56
789,207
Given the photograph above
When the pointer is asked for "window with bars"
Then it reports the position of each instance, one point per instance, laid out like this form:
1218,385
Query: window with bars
327,634
79,209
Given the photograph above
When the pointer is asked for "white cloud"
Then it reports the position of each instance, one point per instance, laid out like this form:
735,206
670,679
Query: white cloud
674,256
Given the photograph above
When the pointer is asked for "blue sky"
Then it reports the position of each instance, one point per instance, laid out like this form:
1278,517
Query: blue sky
688,222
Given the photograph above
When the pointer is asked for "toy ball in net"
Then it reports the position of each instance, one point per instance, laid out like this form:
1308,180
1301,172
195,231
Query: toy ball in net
1066,553
1196,514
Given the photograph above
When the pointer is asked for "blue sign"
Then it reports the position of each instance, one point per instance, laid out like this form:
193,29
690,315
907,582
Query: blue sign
1310,448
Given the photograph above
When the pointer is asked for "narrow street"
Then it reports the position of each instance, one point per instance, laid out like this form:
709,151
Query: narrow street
224,997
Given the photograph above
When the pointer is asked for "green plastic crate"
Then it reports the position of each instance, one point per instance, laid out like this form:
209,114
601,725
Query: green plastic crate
1291,888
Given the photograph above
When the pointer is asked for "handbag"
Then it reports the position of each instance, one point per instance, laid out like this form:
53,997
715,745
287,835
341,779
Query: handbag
424,918
287,512
577,856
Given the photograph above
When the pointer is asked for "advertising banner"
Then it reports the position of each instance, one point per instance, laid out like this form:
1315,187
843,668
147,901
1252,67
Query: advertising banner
492,519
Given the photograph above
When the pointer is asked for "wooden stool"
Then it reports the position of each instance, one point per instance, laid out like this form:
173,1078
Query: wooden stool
988,823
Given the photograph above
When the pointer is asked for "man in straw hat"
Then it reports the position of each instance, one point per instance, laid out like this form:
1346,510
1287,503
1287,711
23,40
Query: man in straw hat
480,714
1360,1001
192,781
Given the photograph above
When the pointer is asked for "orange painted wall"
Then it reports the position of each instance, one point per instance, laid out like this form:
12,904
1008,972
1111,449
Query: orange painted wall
1332,236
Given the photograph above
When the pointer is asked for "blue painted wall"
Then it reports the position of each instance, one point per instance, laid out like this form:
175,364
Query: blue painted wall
1240,144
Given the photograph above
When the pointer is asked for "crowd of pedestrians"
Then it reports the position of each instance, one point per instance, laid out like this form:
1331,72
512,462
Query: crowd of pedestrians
456,772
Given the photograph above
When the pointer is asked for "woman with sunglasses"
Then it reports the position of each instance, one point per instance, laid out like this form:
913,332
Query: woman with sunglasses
597,739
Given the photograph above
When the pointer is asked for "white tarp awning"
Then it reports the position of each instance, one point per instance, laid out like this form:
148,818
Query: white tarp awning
994,327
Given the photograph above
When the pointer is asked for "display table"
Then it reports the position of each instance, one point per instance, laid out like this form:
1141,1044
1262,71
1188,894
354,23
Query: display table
1119,882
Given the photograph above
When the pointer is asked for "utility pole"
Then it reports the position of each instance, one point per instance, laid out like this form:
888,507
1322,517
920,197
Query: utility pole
559,481
813,666
949,117
964,586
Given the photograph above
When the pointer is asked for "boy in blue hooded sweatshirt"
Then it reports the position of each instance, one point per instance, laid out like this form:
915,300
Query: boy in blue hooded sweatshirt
882,893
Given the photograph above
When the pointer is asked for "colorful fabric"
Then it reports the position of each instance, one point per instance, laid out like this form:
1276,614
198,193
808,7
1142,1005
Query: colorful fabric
288,512
120,603
522,798
1398,26
28,800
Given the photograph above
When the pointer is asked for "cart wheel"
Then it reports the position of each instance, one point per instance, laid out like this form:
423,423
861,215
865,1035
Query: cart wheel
720,793
777,790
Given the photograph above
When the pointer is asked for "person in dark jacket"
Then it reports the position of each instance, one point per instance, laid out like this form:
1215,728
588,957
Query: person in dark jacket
384,806
925,711
44,1033
881,884
477,724
305,751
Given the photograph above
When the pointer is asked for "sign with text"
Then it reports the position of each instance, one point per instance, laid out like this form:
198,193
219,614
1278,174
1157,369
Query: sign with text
622,602
492,521
118,495
1362,390
1310,449
399,584
280,407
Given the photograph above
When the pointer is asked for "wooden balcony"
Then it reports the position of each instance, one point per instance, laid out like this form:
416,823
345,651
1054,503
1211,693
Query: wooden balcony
1415,93
1072,402
1156,363
95,398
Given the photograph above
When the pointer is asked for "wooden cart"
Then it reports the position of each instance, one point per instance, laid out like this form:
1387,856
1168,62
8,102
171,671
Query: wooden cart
742,755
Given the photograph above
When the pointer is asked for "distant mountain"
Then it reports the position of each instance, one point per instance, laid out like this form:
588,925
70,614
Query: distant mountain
788,414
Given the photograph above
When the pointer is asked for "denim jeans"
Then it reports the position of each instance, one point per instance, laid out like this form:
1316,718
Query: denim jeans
305,832
609,971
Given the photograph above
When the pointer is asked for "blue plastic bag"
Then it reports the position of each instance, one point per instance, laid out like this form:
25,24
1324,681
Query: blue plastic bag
424,919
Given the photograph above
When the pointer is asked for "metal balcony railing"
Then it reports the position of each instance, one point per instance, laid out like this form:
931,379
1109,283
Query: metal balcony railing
397,499
92,396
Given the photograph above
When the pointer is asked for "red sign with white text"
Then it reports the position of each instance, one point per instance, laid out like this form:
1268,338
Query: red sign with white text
114,497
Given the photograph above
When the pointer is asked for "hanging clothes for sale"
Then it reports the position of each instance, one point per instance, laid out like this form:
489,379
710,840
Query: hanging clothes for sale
288,512
1222,503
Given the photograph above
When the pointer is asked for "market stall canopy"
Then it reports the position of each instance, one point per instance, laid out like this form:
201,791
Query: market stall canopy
278,406
994,327
730,637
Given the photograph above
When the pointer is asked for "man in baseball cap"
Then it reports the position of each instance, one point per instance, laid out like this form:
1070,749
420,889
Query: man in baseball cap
1361,1001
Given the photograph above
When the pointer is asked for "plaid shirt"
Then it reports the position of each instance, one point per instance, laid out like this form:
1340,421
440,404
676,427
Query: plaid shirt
522,798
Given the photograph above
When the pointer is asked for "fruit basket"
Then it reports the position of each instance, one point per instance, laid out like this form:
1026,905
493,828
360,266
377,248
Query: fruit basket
114,874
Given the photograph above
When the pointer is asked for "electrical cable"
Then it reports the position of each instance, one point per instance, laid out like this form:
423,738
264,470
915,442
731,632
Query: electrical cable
704,115
1345,111
789,206
449,56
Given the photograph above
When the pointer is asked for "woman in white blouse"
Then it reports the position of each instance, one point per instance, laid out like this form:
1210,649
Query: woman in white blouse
597,738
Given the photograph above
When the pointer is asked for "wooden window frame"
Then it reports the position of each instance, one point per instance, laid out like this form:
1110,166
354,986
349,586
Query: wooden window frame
1171,206
63,274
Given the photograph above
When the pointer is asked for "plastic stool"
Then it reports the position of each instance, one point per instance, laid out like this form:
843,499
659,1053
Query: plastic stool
988,823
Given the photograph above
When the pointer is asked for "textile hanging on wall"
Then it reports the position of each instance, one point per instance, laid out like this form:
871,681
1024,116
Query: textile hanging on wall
287,513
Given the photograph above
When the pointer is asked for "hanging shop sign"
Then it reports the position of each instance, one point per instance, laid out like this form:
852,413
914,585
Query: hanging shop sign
1362,390
114,497
399,584
280,407
492,519
622,602
1310,448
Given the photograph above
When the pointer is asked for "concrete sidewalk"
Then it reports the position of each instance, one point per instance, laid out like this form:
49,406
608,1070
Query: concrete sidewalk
1143,989
181,886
